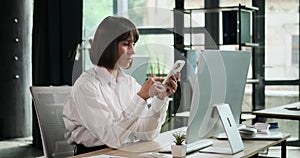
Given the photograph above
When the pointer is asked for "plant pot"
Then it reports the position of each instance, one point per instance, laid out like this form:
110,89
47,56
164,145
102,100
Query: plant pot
178,150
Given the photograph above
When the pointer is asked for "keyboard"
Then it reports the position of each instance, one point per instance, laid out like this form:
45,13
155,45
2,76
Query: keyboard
198,145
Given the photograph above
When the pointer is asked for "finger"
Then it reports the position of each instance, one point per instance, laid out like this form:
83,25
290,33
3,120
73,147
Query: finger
174,77
170,91
172,87
151,80
160,88
173,83
167,86
157,83
152,75
159,79
178,75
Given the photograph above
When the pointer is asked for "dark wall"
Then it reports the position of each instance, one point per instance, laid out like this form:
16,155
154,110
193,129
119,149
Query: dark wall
57,29
15,69
35,48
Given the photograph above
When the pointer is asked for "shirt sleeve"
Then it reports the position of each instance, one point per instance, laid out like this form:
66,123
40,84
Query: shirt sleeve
99,119
152,119
114,128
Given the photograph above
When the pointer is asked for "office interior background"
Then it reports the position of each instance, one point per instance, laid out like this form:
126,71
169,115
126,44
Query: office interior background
40,40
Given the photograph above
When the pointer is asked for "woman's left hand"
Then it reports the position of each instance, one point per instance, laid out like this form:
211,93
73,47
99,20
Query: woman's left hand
171,86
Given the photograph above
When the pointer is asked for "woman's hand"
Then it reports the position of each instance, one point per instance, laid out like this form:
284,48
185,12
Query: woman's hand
144,92
150,88
154,87
170,86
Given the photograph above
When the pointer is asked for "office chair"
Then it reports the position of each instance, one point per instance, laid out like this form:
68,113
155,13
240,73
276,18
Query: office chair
48,103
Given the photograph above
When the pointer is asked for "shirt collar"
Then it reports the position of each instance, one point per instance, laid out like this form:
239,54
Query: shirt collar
104,76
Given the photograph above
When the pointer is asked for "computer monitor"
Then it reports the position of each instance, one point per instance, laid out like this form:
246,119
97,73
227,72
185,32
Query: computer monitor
138,69
221,78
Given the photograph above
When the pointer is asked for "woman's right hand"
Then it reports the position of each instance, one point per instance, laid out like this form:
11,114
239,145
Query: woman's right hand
151,88
144,91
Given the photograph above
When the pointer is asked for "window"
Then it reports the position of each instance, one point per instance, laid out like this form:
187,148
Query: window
282,57
295,50
149,16
93,12
282,28
153,19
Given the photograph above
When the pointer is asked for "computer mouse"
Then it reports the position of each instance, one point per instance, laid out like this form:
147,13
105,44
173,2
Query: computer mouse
151,155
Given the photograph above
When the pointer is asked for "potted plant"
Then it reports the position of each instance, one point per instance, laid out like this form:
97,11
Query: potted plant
179,148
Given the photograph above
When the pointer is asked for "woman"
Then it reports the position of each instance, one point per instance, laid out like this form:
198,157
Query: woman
107,107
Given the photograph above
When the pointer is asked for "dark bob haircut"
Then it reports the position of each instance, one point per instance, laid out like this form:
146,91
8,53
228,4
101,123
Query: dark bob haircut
112,30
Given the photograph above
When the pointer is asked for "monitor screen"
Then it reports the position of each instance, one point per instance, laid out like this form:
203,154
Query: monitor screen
221,78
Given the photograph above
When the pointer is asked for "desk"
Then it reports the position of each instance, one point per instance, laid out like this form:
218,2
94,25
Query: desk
186,114
252,148
281,113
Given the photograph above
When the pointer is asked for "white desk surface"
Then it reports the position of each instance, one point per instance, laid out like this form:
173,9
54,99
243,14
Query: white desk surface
186,114
252,147
280,112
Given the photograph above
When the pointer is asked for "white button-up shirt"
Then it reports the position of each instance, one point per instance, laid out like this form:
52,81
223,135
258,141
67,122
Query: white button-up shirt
102,109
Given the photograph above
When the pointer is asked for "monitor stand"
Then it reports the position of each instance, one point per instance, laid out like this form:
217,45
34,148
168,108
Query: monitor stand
230,127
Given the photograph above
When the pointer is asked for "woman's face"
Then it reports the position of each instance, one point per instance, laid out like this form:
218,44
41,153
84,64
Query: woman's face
126,51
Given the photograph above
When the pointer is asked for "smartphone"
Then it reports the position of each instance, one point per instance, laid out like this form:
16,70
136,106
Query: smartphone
175,68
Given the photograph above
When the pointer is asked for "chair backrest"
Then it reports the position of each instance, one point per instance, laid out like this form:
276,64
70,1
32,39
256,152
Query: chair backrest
48,103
